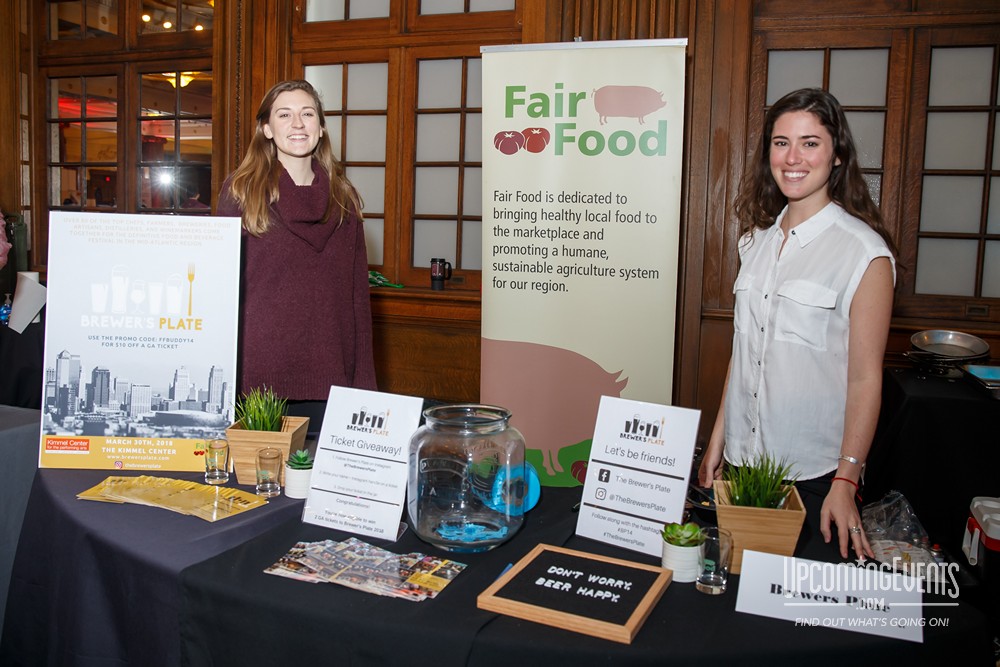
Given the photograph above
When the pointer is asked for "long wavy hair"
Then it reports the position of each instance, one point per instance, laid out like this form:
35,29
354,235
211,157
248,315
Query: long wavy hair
760,199
254,184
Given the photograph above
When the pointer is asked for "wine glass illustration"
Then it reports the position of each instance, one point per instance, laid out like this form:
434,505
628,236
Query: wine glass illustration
138,294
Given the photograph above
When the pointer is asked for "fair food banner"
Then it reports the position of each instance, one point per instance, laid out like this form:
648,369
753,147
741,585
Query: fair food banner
140,340
637,476
359,477
582,160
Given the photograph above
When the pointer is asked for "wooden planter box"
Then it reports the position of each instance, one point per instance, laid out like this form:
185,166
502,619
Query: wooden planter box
243,446
773,531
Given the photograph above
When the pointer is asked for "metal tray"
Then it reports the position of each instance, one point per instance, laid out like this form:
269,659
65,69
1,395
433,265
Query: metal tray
953,345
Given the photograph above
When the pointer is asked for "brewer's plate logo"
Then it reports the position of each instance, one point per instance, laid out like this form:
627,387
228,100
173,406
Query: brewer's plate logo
643,430
365,421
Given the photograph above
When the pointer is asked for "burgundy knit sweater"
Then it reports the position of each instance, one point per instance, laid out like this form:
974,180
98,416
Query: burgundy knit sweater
305,315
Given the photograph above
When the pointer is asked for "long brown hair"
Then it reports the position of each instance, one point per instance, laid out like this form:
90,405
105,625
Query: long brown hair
760,199
254,184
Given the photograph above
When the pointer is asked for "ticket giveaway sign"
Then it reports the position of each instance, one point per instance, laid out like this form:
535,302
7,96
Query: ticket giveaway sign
359,477
140,340
637,476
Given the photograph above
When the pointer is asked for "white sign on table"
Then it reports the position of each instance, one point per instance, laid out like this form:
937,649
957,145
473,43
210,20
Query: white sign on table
637,476
832,595
359,477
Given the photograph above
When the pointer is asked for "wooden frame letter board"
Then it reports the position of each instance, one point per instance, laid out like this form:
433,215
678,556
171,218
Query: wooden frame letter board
595,595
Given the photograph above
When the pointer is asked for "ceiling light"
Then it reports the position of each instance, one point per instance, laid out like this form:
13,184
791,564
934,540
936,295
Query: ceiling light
167,25
146,18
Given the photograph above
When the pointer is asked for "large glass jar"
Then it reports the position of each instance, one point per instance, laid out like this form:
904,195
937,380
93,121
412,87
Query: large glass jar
469,485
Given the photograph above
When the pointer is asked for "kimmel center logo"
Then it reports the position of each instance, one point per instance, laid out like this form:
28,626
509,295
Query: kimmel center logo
365,421
643,430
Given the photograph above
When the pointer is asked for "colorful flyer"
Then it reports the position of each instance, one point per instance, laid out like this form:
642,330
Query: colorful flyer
637,476
359,476
140,340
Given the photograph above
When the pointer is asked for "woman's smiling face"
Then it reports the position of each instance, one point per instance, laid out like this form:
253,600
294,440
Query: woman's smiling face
801,158
294,125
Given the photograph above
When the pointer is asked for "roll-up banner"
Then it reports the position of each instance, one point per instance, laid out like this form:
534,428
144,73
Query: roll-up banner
140,340
582,165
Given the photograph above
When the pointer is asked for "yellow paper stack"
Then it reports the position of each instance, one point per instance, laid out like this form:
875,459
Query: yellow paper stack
210,503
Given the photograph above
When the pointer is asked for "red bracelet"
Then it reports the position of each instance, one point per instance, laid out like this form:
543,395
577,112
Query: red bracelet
844,479
857,489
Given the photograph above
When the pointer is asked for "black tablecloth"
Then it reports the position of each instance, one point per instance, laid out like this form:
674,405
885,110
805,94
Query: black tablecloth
19,448
938,442
21,366
234,614
97,583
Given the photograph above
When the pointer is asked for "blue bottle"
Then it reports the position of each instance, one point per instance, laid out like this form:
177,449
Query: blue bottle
5,312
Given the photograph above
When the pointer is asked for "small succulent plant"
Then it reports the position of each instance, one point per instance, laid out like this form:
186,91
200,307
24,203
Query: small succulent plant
300,460
683,534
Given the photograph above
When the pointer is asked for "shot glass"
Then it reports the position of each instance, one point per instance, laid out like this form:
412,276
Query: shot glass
714,557
268,470
217,461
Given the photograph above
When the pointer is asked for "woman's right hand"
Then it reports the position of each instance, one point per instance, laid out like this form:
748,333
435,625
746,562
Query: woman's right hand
711,464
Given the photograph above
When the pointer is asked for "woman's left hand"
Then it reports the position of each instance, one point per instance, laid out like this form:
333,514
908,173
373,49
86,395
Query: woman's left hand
840,510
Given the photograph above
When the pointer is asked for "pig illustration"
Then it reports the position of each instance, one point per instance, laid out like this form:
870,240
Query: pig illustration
627,102
552,393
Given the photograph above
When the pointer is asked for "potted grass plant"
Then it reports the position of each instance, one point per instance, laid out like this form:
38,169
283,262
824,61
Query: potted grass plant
680,550
298,474
261,421
758,503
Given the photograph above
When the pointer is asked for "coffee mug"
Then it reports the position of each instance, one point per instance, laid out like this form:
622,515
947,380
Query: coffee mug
440,272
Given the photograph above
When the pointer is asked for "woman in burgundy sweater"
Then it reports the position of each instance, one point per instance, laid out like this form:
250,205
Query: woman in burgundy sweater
305,320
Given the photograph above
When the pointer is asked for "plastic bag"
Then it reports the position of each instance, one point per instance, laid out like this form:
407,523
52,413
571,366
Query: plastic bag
895,533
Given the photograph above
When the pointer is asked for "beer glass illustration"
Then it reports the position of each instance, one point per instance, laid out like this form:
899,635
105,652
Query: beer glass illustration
119,289
138,294
98,297
155,298
174,286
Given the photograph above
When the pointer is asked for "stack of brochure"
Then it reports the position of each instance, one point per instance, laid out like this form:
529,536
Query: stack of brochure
210,503
362,566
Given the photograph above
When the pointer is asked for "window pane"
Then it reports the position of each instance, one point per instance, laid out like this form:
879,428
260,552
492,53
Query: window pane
65,19
993,215
946,266
156,134
438,137
473,137
951,204
490,5
158,16
65,98
874,182
366,138
868,129
996,142
436,192
440,84
369,9
370,184
158,187
157,96
102,142
374,233
324,10
367,86
194,188
196,140
196,96
102,18
102,97
328,80
991,270
955,141
101,185
472,192
472,245
858,76
474,83
428,7
67,144
791,70
64,189
434,238
960,77
197,15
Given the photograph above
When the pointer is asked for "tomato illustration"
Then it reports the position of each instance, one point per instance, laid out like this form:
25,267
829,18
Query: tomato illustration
508,142
535,139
